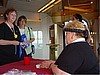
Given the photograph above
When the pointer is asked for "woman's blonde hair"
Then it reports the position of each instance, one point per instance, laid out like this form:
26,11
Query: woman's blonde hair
76,27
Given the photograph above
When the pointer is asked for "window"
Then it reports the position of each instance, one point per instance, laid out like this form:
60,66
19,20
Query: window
38,39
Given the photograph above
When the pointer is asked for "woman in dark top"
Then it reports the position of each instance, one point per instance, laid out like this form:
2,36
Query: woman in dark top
9,38
77,57
79,18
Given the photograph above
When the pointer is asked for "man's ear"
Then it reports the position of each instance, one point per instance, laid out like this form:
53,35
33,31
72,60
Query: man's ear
72,35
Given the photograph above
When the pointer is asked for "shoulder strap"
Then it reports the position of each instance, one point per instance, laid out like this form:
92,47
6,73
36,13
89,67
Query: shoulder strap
29,32
32,46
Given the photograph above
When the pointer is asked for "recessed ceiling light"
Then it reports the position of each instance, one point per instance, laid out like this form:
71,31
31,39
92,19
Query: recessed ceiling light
86,13
1,15
91,2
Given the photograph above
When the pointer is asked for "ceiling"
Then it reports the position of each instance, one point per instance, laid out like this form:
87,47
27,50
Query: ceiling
87,8
63,8
22,5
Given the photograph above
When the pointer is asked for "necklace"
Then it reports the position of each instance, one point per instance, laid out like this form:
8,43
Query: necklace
10,26
12,29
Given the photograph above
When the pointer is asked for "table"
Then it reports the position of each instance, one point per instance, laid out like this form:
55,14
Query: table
20,65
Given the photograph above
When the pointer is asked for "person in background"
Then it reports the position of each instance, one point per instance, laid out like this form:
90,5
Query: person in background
98,49
77,57
10,38
79,18
27,33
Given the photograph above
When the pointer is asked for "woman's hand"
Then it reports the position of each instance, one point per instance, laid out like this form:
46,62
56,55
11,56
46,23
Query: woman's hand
28,41
50,64
46,64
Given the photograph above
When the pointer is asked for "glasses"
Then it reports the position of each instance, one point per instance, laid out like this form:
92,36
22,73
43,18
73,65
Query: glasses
13,15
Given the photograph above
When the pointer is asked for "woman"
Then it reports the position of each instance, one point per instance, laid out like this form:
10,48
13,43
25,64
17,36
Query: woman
26,33
77,57
77,17
9,38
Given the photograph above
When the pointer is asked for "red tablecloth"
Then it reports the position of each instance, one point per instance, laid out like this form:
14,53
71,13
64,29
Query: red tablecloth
20,65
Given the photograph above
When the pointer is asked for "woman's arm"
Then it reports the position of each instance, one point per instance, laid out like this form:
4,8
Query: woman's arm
30,41
7,42
50,64
57,71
